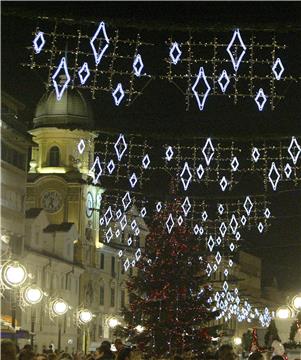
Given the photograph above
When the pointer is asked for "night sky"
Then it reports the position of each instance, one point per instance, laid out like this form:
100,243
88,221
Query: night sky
161,108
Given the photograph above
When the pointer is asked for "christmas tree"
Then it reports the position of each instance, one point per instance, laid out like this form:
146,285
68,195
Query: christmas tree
168,294
296,326
271,334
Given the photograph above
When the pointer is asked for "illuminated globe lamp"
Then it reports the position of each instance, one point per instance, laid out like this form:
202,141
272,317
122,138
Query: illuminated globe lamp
33,295
59,307
139,328
14,274
237,341
85,316
113,322
296,302
283,312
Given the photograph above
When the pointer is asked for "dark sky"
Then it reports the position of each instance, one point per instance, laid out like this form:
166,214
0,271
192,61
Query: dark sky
161,109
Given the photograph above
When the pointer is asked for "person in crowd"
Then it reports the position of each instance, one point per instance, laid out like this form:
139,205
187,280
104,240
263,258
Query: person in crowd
277,357
41,357
123,353
26,355
51,356
277,348
256,356
64,356
104,352
8,350
225,352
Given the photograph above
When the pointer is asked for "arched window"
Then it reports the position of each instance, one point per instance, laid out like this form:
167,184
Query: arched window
54,156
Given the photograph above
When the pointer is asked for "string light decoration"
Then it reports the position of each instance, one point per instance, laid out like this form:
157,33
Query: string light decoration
95,56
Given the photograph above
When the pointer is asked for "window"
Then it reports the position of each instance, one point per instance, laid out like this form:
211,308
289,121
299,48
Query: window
102,261
112,296
101,295
13,156
113,266
122,298
54,156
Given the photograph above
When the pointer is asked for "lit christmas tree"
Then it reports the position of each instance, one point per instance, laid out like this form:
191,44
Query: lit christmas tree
271,334
169,295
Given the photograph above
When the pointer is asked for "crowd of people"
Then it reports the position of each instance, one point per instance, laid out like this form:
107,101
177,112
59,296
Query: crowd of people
9,351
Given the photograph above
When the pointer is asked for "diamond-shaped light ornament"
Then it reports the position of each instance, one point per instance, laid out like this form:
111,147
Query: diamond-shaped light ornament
210,243
180,220
234,164
138,65
232,247
108,216
130,241
208,151
175,53
260,227
218,258
111,166
235,59
223,229
65,79
255,154
294,150
223,183
133,180
170,223
278,68
209,270
220,209
158,206
274,176
97,51
96,170
143,212
138,254
118,214
196,229
204,215
237,235
123,222
126,264
118,94
260,99
248,205
81,146
120,147
267,213
223,81
186,206
109,235
201,97
146,161
233,224
243,220
84,73
186,176
200,171
39,42
126,200
218,240
169,153
287,170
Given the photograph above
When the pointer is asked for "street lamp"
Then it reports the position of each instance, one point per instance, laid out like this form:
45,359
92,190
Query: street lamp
113,322
84,316
14,274
296,302
283,312
32,295
59,307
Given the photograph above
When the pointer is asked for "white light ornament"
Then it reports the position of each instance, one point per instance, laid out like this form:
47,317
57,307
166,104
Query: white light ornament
111,166
294,150
33,295
274,176
175,53
223,81
188,176
201,102
109,235
65,79
120,147
233,224
223,229
98,55
260,95
267,213
287,170
255,154
84,73
170,223
59,307
145,161
138,65
118,94
278,68
13,274
223,183
108,216
169,153
220,209
248,205
85,316
237,59
260,227
81,146
200,171
96,169
143,212
234,164
138,254
186,206
126,200
208,151
39,42
133,180
210,243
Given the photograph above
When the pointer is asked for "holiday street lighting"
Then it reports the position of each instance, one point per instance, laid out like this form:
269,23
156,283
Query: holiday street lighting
237,341
59,307
84,317
139,328
113,322
296,302
13,274
283,312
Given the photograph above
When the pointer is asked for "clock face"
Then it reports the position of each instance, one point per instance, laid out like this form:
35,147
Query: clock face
89,205
51,201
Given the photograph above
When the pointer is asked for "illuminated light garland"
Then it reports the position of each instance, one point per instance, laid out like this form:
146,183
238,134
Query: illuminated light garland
260,95
111,166
274,182
186,206
138,65
133,180
169,153
98,56
120,253
120,143
248,205
236,62
218,240
185,171
287,170
294,144
232,247
117,233
145,161
201,75
62,65
208,151
81,146
84,69
133,224
278,63
234,164
118,90
255,154
170,223
130,241
39,38
208,270
223,183
96,166
222,85
175,57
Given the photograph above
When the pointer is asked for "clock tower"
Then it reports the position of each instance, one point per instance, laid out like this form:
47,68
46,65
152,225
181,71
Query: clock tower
58,178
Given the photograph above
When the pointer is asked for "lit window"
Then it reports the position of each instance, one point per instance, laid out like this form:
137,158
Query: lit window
54,156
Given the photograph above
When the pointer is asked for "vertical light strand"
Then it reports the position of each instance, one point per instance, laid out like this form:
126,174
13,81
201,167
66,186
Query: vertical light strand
52,54
190,56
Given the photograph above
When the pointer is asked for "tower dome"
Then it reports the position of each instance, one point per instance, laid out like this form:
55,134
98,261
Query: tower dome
72,111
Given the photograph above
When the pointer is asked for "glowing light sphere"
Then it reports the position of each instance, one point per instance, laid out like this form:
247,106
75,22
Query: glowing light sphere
85,316
237,341
139,328
59,307
296,302
14,274
113,322
33,294
283,312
